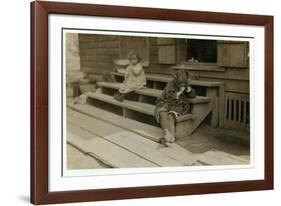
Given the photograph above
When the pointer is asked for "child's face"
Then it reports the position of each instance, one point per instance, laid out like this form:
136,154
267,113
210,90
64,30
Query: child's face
134,60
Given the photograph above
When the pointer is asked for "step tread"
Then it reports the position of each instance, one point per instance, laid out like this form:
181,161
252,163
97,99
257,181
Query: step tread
144,91
167,78
133,105
151,92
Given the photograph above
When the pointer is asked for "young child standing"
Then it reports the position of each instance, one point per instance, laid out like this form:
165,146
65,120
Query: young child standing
134,77
172,103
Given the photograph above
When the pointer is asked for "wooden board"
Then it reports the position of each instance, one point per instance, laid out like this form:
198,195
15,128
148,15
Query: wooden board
233,54
150,92
136,106
105,151
175,152
145,130
140,45
230,73
215,157
130,142
167,78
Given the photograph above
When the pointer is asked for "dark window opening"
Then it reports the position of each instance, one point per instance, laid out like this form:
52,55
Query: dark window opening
201,51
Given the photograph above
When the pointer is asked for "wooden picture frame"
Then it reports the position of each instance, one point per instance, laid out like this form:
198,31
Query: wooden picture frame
39,102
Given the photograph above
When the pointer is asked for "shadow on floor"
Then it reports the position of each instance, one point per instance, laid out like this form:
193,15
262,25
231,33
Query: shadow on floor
206,138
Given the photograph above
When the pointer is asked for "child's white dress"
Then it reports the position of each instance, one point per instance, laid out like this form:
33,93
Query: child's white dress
134,78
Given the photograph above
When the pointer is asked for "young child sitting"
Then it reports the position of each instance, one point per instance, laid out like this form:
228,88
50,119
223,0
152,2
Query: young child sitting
172,103
134,77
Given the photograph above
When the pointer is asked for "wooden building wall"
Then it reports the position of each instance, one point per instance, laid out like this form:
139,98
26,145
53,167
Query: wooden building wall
97,53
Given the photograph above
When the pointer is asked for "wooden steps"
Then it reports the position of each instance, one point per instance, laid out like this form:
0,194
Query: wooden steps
186,124
142,111
211,89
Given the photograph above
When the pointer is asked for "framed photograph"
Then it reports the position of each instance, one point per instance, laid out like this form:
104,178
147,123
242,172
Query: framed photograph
131,102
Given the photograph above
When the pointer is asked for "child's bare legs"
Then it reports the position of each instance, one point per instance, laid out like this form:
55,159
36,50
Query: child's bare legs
167,123
172,127
118,96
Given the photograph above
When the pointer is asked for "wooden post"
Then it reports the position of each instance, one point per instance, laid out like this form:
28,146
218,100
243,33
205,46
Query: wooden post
221,106
141,98
212,92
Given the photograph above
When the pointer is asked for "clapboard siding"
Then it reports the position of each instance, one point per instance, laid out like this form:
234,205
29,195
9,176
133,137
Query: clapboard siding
140,45
97,52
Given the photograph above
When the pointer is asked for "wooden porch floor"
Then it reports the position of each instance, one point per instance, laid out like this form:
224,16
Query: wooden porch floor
100,139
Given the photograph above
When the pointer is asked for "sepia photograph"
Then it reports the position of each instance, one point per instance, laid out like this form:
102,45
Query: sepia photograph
146,101
136,102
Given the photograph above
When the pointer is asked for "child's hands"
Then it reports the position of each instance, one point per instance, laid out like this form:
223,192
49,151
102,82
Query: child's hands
188,89
180,92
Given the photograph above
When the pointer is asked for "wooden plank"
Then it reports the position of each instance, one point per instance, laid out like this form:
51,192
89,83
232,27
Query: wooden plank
213,93
165,41
215,157
140,45
221,106
104,59
167,78
104,150
130,141
184,117
103,44
145,130
233,55
245,109
237,73
215,113
151,92
91,53
101,128
78,159
85,38
208,67
234,111
136,106
175,152
167,54
152,77
239,109
104,51
226,106
230,73
239,86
